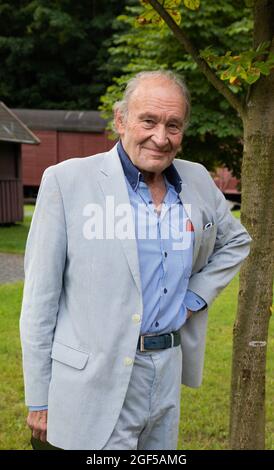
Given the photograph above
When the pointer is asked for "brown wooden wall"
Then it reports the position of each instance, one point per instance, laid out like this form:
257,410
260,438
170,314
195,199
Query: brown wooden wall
11,188
57,146
11,201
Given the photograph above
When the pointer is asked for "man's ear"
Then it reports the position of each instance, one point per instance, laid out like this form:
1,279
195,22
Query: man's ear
119,122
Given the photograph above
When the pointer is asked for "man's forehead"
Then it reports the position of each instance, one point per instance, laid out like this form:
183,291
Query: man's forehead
150,86
169,114
151,97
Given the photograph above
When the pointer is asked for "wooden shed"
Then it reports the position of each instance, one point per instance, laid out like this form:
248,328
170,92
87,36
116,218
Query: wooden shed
13,133
63,134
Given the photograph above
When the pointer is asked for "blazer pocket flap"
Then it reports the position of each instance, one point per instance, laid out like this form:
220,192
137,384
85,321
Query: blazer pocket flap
69,356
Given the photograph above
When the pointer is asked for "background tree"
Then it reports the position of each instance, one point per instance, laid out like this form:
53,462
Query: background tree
255,106
214,135
51,52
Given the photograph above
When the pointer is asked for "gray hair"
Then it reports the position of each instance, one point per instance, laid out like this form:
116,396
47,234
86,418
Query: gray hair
132,84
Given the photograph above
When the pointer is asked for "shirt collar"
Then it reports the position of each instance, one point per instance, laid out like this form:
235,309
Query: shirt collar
134,175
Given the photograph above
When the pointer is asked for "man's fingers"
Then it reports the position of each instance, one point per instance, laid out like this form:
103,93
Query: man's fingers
37,421
36,434
43,436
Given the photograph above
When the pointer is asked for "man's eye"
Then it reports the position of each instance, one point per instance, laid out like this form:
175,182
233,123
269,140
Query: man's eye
174,128
149,122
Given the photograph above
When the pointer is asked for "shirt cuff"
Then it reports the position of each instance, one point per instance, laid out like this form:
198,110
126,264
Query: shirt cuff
38,408
194,302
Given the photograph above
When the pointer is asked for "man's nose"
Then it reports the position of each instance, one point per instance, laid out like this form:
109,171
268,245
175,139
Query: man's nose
160,136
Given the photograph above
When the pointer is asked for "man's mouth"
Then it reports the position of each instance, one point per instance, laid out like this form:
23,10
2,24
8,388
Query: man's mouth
157,152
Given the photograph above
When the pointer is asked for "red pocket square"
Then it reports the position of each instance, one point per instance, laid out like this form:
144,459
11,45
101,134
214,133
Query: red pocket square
189,226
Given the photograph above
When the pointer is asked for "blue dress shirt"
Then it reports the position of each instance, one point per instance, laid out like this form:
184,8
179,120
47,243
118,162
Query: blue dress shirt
164,271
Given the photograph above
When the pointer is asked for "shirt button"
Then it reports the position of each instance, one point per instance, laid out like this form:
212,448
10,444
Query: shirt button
136,318
165,290
128,361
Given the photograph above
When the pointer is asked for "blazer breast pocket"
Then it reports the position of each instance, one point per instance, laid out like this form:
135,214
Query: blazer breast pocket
209,234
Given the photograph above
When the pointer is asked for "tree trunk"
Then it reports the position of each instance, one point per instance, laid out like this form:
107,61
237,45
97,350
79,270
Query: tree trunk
247,419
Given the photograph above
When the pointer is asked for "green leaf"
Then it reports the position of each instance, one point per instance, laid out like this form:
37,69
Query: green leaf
225,75
192,4
245,25
176,15
150,16
253,76
252,79
264,68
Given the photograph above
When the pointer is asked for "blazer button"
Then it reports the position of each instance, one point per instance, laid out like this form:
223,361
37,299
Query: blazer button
128,361
136,318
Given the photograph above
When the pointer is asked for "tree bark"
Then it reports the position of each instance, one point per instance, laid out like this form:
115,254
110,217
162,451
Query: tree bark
247,415
247,420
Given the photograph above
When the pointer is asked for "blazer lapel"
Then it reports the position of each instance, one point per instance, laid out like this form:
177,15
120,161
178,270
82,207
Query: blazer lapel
112,183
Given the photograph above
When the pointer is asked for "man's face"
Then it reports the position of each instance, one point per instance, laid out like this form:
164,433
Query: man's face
151,133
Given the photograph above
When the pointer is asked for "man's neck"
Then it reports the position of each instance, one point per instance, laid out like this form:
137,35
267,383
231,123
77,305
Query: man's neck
153,179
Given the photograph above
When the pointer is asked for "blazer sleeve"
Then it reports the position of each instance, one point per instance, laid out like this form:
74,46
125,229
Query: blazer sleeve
232,246
44,263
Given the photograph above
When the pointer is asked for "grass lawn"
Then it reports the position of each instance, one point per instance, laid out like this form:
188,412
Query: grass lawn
13,431
13,238
204,411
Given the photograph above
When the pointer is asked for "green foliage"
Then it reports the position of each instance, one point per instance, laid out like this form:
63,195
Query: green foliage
51,52
150,16
245,67
214,135
192,4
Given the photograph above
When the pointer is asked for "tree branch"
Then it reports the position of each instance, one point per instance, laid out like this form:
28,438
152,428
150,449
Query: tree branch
187,45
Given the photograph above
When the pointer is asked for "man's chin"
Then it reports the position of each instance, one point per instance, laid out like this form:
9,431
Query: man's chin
156,164
159,165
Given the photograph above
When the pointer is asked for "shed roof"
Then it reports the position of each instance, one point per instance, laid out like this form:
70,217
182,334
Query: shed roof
12,129
62,120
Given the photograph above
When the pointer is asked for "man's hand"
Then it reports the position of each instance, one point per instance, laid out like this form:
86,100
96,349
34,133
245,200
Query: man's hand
189,313
37,421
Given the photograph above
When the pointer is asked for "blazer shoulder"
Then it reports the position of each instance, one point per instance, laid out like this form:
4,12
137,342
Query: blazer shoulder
192,171
75,166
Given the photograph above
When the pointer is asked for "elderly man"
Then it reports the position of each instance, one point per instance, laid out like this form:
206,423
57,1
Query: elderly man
126,252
